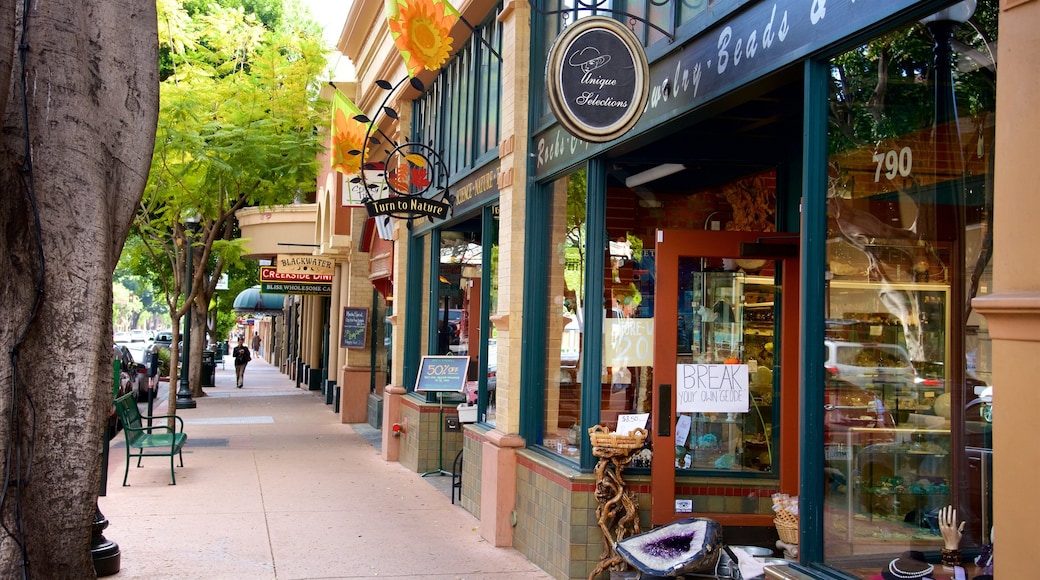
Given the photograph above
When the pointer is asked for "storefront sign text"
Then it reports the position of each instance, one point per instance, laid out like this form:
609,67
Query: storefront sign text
711,388
407,206
762,39
476,187
596,75
304,264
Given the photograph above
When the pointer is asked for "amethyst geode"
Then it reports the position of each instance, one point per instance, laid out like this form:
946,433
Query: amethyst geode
684,546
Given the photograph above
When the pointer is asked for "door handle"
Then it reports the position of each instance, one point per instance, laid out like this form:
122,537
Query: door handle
664,406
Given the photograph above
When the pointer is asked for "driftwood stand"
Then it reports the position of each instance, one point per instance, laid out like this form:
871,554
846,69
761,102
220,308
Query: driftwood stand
616,511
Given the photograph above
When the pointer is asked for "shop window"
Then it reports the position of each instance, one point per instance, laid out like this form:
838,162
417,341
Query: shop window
909,236
565,314
460,321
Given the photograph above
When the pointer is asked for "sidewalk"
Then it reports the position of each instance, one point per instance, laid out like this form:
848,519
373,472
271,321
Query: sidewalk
273,487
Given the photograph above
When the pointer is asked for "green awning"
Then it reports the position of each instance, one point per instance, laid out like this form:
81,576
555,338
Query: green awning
253,301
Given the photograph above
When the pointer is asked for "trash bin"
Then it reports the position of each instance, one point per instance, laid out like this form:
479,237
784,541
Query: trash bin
222,348
209,368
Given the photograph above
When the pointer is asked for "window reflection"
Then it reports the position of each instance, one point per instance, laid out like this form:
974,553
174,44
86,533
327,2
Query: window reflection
564,319
909,232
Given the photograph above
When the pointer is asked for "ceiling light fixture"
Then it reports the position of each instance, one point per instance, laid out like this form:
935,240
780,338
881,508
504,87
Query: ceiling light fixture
663,170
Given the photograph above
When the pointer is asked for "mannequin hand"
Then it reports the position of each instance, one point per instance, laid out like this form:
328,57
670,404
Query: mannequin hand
951,532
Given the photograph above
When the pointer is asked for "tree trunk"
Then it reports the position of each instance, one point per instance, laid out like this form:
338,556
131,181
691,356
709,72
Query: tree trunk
88,117
198,344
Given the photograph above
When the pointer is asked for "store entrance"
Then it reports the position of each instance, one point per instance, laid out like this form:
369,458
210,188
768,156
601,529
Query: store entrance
719,374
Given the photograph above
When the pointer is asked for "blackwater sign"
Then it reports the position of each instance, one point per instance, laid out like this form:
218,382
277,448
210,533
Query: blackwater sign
598,79
442,373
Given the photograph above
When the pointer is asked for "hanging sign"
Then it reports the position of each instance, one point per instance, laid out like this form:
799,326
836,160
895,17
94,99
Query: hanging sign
711,388
598,79
304,264
271,281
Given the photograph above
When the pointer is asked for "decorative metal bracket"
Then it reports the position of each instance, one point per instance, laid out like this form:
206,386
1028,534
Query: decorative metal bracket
603,6
419,169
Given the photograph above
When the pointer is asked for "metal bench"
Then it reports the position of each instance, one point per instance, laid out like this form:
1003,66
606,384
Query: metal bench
149,441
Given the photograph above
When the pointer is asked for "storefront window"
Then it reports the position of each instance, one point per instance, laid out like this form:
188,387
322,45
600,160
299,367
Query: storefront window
911,140
565,312
461,325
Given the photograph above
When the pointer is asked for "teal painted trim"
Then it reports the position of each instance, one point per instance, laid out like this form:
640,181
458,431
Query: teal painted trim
413,311
813,260
488,230
532,346
595,262
433,292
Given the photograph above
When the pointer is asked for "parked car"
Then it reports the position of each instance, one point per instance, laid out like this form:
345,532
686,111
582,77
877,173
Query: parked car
133,375
869,364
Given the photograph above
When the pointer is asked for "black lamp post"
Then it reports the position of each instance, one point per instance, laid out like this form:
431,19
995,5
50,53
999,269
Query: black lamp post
184,400
949,191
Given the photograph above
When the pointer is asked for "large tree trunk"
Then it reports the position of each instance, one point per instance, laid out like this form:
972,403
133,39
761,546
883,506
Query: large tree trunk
90,108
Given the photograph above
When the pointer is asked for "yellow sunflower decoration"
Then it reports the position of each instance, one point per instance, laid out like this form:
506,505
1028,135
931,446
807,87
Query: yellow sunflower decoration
348,134
421,30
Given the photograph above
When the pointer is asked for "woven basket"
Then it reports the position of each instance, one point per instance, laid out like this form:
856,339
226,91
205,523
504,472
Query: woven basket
786,526
600,436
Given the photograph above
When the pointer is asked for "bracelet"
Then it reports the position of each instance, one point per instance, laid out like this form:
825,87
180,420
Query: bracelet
951,557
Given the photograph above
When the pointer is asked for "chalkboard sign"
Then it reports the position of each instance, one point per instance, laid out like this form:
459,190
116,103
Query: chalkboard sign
355,327
442,373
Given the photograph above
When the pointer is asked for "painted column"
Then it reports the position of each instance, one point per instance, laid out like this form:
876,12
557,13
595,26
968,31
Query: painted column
356,370
498,463
1013,309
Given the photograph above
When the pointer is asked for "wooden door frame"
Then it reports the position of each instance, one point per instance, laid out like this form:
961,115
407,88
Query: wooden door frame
671,244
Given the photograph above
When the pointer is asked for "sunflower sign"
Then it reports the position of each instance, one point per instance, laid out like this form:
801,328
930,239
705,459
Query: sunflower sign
348,135
421,30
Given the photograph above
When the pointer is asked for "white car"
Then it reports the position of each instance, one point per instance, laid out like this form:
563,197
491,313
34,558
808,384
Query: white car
869,364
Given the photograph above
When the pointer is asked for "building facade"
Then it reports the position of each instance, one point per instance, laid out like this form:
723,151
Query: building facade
813,191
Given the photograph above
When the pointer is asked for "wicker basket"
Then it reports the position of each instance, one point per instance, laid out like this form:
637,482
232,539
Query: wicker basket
786,526
600,436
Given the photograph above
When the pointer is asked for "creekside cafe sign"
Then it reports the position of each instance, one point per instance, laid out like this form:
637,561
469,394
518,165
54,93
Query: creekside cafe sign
275,282
597,79
754,42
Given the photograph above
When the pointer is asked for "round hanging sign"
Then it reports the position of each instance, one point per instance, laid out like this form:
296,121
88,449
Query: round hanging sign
598,79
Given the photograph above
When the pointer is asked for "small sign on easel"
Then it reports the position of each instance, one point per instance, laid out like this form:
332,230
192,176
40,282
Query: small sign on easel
442,373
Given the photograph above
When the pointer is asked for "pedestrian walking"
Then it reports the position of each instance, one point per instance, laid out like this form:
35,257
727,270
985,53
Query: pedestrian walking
256,344
242,358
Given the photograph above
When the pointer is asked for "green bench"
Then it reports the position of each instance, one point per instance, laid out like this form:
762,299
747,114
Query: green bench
149,441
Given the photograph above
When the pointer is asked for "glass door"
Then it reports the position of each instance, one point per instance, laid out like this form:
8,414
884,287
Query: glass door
719,375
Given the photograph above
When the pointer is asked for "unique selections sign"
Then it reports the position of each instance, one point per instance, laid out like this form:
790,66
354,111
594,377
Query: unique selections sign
711,388
304,264
598,79
756,41
355,327
271,280
442,373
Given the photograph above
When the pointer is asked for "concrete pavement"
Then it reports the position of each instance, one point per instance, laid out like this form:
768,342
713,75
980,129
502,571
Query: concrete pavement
274,487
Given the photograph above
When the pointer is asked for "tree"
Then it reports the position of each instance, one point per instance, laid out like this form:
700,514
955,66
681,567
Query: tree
237,127
79,82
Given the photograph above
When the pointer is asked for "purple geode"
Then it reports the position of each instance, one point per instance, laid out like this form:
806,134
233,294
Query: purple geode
684,546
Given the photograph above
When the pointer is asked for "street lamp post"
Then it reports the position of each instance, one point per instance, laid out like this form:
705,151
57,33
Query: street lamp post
184,400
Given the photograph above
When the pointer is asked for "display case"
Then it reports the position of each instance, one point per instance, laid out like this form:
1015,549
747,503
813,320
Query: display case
887,484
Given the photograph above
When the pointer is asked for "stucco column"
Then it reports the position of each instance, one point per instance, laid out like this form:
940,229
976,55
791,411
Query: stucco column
356,365
498,456
1013,309
335,328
